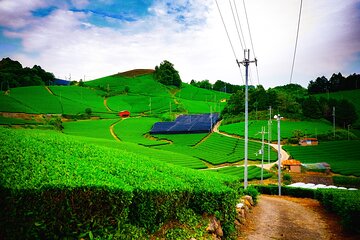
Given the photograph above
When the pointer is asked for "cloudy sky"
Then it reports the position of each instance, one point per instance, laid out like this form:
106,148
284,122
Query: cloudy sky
99,38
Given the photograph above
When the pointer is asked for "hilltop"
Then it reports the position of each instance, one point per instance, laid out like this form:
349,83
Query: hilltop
135,72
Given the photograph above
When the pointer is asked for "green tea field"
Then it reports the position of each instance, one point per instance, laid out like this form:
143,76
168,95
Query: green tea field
343,156
287,128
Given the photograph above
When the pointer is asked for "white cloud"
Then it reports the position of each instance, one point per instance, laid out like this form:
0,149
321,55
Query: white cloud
65,42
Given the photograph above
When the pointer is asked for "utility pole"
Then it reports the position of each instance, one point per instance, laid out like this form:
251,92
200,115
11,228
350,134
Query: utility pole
211,123
278,118
150,105
333,114
170,108
348,127
262,153
246,63
269,134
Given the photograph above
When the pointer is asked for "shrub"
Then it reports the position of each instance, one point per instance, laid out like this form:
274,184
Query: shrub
346,181
344,203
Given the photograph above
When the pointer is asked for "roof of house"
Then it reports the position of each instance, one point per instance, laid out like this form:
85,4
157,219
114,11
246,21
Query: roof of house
311,139
291,163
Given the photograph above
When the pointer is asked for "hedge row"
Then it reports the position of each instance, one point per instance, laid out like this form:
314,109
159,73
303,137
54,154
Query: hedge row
55,187
344,203
346,181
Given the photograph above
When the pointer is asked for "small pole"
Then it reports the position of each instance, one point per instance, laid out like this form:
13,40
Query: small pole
170,108
348,127
277,117
269,134
333,113
262,153
150,105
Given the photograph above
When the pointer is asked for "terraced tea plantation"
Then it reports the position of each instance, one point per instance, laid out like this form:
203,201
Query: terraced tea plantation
253,172
343,156
287,128
218,149
106,182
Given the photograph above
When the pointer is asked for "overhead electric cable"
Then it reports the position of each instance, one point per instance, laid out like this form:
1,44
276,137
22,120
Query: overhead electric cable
296,41
227,33
236,25
238,18
251,41
228,36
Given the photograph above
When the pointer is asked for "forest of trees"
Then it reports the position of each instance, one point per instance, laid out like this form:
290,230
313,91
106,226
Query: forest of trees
167,74
219,85
292,101
12,74
337,82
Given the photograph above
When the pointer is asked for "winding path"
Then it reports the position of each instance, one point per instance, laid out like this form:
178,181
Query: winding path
112,130
284,155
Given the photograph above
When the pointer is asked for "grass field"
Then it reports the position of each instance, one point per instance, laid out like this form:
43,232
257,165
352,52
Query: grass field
143,85
287,128
36,99
90,128
195,106
137,104
10,104
343,156
218,149
182,139
253,172
80,99
67,100
199,94
89,184
134,129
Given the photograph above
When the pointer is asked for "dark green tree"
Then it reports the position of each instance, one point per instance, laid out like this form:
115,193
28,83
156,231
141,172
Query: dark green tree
167,74
236,104
311,108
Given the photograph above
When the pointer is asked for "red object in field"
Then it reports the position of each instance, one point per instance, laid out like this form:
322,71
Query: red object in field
124,114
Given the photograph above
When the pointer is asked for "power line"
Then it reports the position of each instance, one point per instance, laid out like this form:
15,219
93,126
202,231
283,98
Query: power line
228,36
237,15
297,36
251,41
227,33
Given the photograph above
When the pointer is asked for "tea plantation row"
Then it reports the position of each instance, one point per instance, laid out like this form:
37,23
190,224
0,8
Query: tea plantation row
48,179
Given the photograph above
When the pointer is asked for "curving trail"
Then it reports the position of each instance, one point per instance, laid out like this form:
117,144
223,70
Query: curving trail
291,218
112,130
284,155
106,106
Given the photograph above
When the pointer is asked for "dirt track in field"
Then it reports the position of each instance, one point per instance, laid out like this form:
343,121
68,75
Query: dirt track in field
292,218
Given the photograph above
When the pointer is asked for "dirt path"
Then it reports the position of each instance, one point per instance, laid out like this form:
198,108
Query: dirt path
113,132
106,106
49,90
291,218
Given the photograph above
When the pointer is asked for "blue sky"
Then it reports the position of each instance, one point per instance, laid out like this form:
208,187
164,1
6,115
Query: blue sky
99,38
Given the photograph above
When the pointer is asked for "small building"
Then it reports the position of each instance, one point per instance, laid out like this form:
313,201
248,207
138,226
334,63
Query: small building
308,141
291,166
124,114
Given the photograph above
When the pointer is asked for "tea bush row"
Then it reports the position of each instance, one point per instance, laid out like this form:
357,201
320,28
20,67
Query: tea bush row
53,186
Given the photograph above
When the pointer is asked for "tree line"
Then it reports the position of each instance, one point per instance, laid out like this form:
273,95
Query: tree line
12,74
337,82
292,101
219,86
